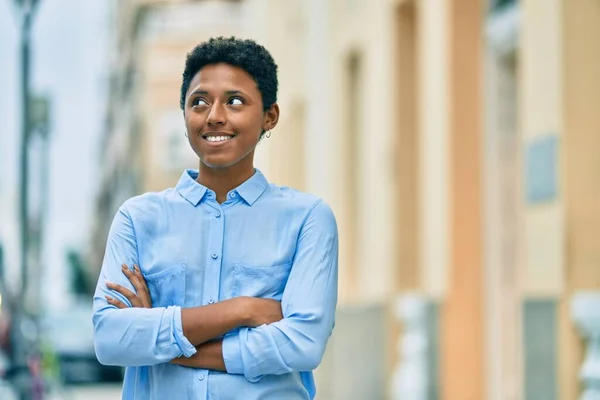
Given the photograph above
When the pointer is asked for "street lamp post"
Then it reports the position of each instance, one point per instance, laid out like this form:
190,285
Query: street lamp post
19,349
27,10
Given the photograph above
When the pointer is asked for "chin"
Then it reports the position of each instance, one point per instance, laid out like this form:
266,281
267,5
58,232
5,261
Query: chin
218,162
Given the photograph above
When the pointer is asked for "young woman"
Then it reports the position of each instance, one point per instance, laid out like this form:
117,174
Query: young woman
225,286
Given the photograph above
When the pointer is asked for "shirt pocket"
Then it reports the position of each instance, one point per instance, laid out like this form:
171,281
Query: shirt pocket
167,287
263,282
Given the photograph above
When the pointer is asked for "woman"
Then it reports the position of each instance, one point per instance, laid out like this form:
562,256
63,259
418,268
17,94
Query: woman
225,286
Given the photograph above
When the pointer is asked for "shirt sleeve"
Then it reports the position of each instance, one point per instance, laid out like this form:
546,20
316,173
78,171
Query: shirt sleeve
297,342
132,336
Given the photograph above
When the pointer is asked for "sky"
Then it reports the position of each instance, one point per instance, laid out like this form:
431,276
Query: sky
70,64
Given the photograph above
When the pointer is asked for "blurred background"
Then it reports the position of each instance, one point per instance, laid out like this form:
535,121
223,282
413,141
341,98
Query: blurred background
458,142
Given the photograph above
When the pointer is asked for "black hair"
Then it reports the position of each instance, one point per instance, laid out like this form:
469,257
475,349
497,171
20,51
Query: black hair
242,53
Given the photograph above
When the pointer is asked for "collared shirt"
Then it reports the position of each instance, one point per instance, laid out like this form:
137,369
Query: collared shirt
263,241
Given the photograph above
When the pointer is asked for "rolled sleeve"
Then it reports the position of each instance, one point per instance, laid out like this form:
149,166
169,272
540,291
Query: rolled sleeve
232,355
187,349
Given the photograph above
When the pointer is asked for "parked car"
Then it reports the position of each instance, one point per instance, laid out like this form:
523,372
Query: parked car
71,336
6,390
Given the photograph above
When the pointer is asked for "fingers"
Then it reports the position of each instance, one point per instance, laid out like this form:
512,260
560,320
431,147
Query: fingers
141,297
115,302
139,283
143,292
133,278
133,299
138,273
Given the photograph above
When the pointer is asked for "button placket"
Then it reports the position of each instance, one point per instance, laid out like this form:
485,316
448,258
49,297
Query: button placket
212,279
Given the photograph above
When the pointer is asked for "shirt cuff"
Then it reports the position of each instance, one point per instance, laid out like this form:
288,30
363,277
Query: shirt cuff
185,346
232,355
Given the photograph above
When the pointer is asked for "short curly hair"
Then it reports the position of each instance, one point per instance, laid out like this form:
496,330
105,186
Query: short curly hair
242,53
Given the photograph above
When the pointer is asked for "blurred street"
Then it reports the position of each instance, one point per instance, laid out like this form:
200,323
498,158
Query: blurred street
90,392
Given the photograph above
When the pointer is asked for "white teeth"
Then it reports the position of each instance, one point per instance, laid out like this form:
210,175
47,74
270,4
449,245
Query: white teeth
218,138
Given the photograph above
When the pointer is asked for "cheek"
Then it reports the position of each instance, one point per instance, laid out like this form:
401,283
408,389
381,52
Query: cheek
193,121
250,126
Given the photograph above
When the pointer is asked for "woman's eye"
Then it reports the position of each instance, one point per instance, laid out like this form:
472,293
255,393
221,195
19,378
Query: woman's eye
199,102
236,101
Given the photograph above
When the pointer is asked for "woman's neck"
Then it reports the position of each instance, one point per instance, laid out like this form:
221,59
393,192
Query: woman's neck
221,181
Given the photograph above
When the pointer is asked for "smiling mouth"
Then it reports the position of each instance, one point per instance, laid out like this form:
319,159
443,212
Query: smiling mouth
218,138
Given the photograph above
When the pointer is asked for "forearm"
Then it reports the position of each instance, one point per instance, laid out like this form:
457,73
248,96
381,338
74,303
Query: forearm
143,336
291,345
208,356
201,324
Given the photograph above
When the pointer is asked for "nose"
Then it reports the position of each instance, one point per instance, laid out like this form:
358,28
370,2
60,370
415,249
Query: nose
217,115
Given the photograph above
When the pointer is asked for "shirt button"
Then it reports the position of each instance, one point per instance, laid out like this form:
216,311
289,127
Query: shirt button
232,195
218,215
214,256
211,300
201,376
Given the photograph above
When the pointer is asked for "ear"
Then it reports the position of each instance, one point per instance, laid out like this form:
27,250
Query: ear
271,117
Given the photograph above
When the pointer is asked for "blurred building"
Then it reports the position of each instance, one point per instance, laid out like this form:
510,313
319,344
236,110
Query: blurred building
457,142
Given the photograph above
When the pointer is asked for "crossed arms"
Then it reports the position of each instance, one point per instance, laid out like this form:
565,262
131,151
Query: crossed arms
202,324
273,338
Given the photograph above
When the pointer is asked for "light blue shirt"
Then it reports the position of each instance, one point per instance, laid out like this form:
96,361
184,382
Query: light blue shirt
264,241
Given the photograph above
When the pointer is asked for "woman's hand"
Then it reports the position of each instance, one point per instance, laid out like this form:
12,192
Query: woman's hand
208,355
140,299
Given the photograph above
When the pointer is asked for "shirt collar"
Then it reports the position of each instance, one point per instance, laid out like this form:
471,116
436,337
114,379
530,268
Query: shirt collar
189,189
193,191
253,188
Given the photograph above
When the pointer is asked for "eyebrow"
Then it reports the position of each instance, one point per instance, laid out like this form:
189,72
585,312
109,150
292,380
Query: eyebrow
227,92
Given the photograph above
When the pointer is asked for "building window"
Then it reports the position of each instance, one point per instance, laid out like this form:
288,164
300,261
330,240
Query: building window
497,4
352,146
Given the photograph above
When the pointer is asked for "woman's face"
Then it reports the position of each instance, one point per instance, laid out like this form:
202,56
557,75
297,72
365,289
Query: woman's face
224,116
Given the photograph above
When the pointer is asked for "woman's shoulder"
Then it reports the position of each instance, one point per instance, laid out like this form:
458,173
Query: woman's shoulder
290,193
147,203
296,198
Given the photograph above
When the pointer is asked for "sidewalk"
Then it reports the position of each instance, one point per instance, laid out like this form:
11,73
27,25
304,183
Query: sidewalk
88,392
